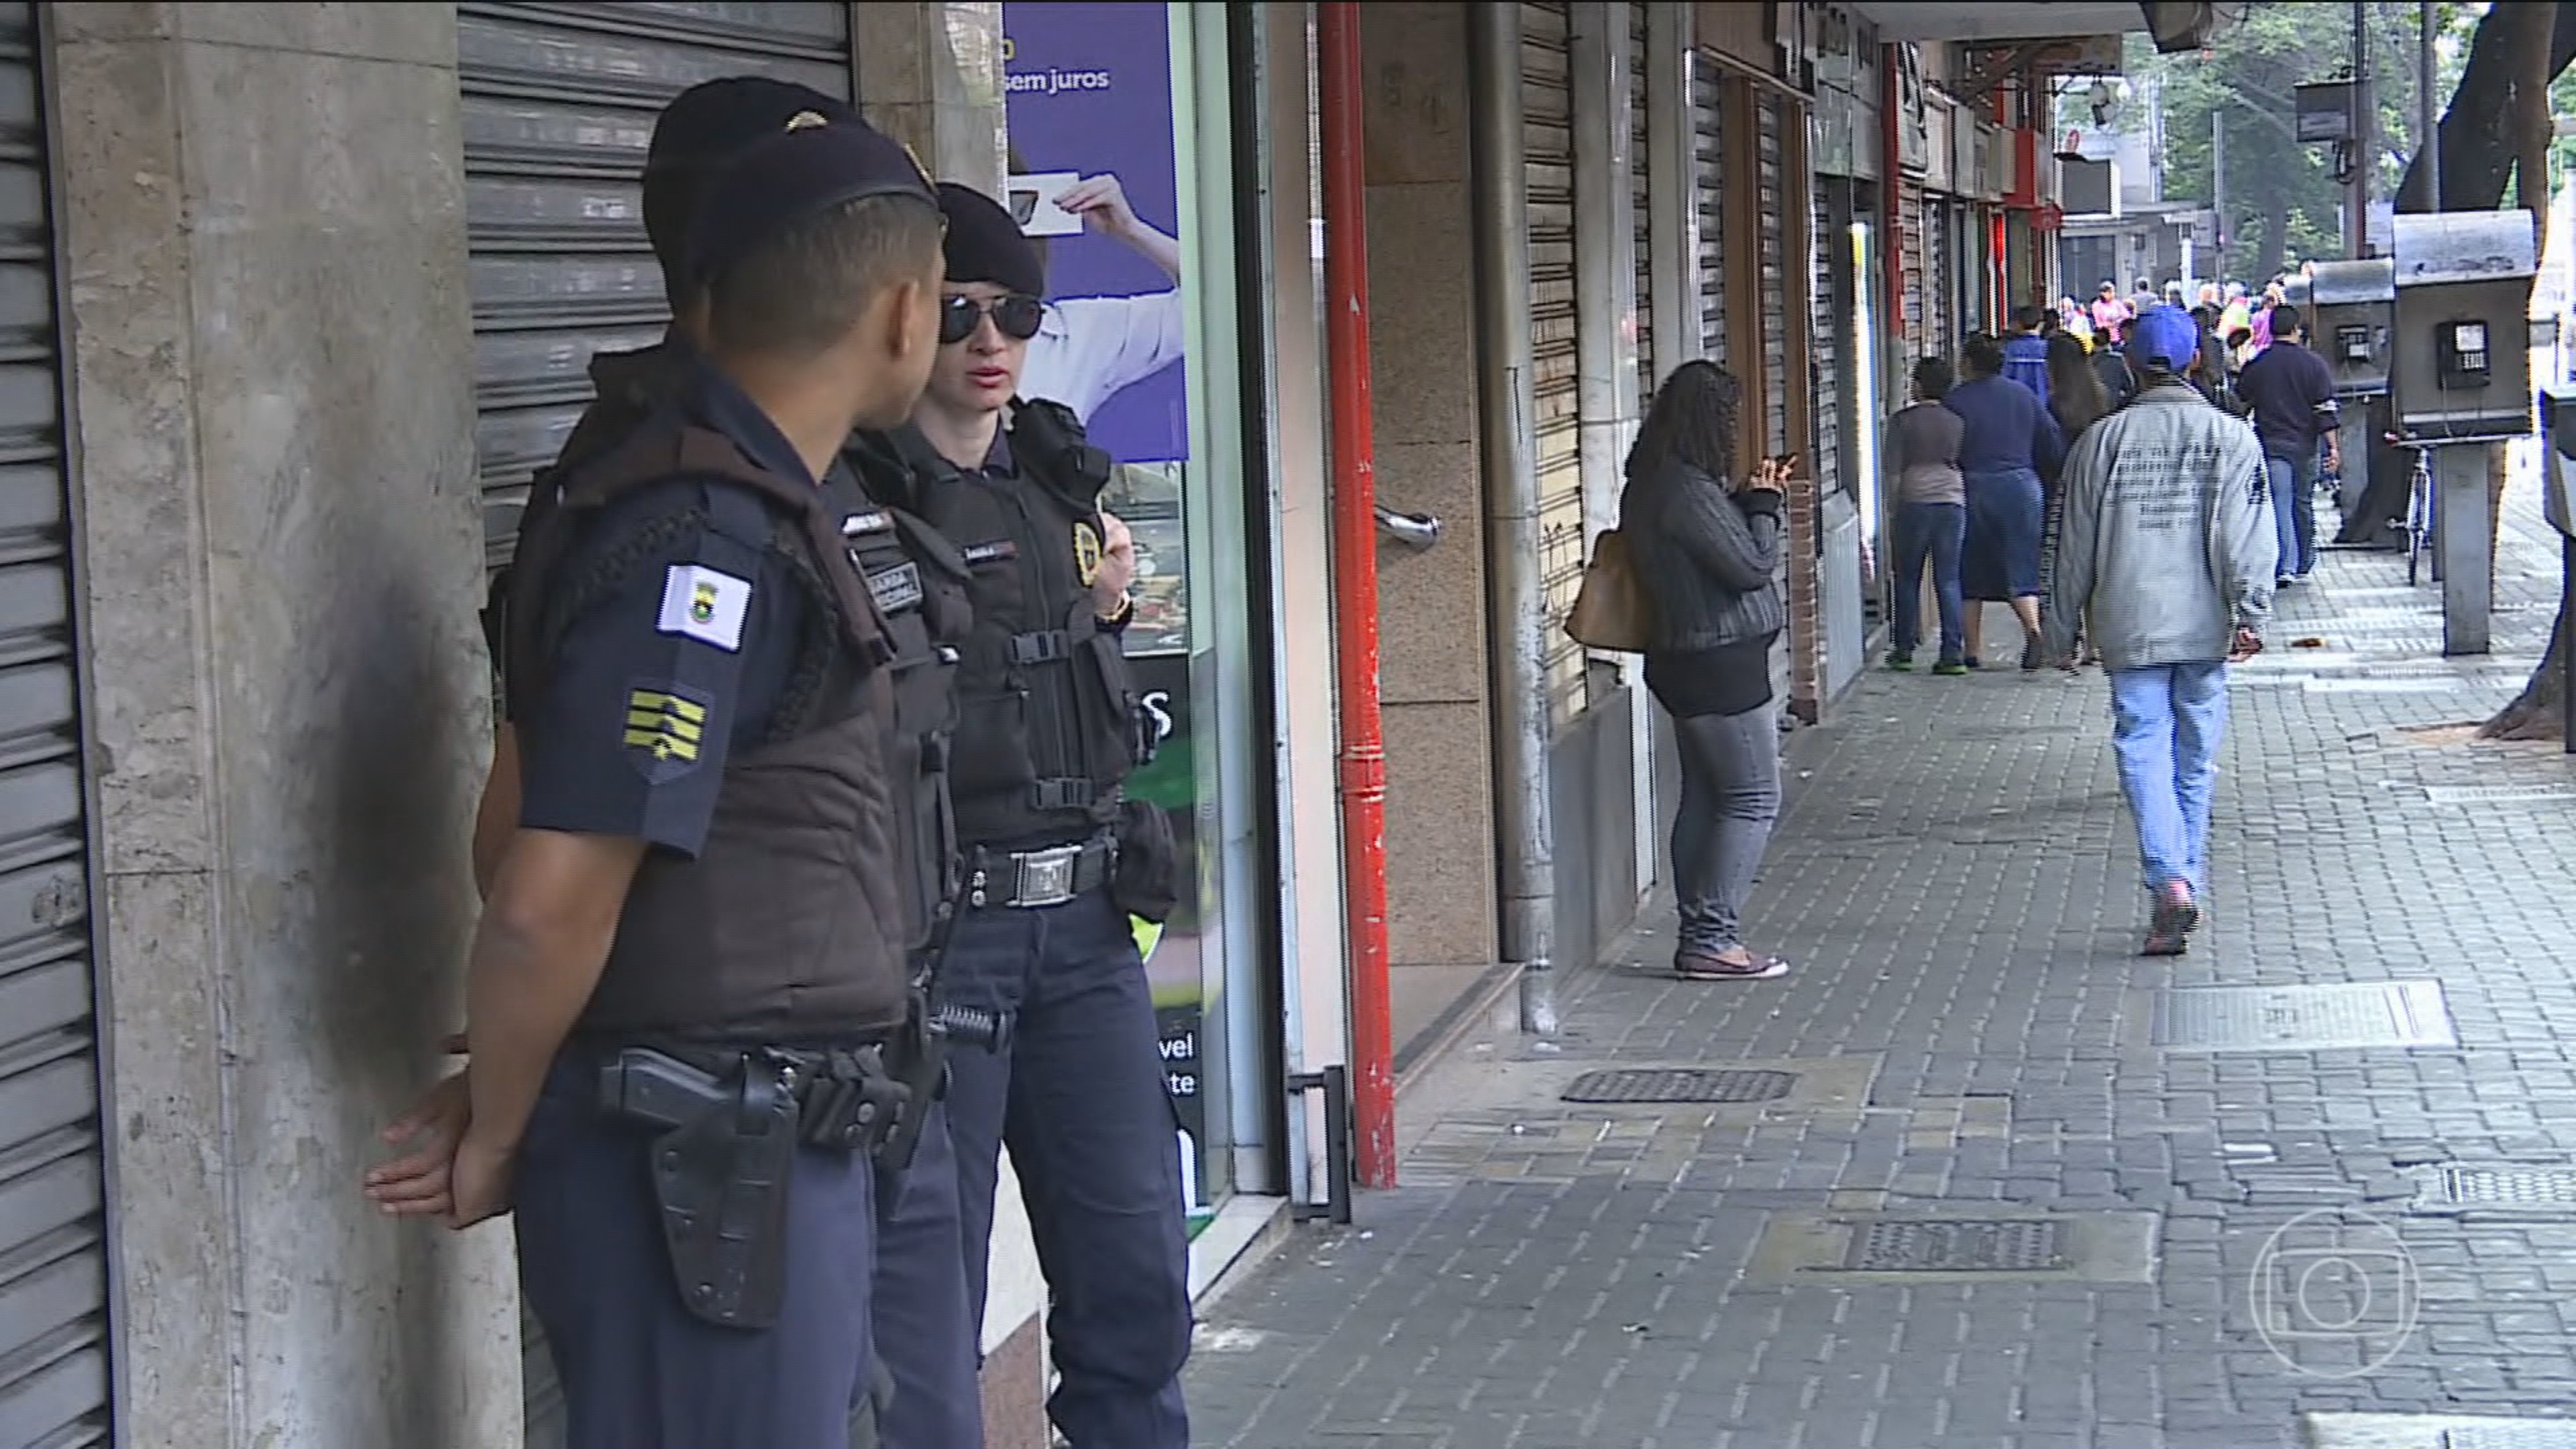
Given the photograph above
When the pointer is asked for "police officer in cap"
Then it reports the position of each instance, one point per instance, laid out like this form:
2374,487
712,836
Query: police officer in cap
927,1396
1057,858
693,957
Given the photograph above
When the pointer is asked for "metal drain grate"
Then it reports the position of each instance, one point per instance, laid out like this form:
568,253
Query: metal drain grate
2303,1018
2006,1245
2462,1186
1679,1084
2434,684
2500,794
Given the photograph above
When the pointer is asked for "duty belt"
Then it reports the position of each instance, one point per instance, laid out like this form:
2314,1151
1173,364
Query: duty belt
1029,879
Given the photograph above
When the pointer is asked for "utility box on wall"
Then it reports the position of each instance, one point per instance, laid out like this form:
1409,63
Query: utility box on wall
2354,314
2462,361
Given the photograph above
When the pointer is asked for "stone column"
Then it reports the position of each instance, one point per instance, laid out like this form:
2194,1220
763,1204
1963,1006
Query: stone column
270,372
931,74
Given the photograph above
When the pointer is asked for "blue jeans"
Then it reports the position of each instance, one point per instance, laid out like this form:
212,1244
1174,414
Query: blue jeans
2167,720
1933,533
2294,517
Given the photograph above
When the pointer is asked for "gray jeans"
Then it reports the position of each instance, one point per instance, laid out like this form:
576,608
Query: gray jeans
1730,797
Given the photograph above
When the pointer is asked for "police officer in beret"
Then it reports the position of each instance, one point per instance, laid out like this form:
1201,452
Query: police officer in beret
926,1395
693,958
1057,857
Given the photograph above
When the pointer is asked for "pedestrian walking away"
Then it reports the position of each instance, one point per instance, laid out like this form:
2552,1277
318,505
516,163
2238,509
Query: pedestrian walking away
2026,351
1931,516
1709,555
2291,393
2010,446
1058,858
924,1393
2077,401
2169,549
672,1005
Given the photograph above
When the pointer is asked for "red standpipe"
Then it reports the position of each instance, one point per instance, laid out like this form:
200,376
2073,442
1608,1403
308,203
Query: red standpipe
1363,762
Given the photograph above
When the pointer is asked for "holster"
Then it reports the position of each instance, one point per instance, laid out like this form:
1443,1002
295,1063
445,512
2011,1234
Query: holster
721,1175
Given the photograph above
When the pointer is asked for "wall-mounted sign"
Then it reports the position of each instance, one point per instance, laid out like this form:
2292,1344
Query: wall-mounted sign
2325,111
1913,124
2071,55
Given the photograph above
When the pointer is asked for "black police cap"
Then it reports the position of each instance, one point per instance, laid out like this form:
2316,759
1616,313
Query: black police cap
984,243
805,170
709,122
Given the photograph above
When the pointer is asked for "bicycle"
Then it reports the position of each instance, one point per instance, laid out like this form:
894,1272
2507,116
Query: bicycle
2419,506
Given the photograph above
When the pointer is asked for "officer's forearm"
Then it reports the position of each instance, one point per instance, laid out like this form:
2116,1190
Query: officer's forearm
543,940
496,816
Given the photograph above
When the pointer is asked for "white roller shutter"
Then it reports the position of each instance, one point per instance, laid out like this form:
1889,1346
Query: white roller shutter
1639,189
559,104
1548,138
54,1341
1708,169
1776,262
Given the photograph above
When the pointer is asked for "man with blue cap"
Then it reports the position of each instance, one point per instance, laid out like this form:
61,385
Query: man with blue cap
2167,553
682,1017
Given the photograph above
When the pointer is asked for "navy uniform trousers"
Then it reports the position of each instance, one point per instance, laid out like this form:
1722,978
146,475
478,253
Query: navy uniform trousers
638,1371
926,1330
1080,1099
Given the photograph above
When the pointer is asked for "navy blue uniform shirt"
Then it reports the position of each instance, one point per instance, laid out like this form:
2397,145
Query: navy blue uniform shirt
676,668
2293,397
2007,428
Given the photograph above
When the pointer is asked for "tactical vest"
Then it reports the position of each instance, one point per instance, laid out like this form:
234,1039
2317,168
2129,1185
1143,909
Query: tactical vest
1047,711
915,576
794,922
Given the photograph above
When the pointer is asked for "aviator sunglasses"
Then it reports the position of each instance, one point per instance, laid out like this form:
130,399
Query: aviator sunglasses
1015,316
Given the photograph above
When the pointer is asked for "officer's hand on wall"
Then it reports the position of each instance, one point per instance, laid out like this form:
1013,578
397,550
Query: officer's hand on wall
1117,567
417,1184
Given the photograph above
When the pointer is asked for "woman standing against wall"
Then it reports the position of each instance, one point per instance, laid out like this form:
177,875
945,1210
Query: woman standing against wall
1709,554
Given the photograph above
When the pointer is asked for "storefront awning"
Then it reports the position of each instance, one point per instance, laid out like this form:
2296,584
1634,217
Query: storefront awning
2040,19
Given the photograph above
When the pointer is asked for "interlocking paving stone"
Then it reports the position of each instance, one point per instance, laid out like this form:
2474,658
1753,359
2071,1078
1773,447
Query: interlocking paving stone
1972,1034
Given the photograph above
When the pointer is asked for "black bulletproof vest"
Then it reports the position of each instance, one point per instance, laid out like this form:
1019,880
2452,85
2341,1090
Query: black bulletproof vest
915,576
793,923
1047,710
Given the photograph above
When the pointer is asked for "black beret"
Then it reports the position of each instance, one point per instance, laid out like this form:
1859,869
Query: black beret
796,174
709,122
985,244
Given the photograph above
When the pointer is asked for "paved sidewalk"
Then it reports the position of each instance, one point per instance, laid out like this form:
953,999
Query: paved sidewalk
2218,1242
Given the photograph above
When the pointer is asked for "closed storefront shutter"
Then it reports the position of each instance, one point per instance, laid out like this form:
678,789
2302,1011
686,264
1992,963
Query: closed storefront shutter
1911,214
1708,170
53,1258
1776,262
558,107
1548,139
1940,334
1833,314
1638,191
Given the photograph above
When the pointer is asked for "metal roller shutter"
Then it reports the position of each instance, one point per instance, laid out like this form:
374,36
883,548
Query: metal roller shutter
1833,314
1548,136
1776,320
1639,188
1909,222
53,1259
1708,167
558,105
1940,331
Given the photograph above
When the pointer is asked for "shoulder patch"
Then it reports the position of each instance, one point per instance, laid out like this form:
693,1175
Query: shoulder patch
1086,551
704,604
666,725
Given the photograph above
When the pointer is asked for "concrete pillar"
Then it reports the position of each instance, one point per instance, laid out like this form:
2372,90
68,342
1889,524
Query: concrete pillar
262,235
1439,838
931,75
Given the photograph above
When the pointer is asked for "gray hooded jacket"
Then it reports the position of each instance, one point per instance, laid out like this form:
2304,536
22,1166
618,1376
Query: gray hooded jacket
2168,543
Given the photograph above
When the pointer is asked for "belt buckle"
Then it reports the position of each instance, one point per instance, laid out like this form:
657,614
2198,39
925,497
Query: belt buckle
1044,877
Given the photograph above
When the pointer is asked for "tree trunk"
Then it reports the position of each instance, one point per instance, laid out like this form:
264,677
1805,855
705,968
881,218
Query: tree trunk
2539,712
2276,234
2479,147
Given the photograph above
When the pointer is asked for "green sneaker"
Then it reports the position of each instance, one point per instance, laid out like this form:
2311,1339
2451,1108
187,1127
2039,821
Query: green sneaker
1900,662
1950,666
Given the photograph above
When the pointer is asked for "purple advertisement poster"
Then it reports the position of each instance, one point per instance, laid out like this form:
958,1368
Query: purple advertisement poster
1094,183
